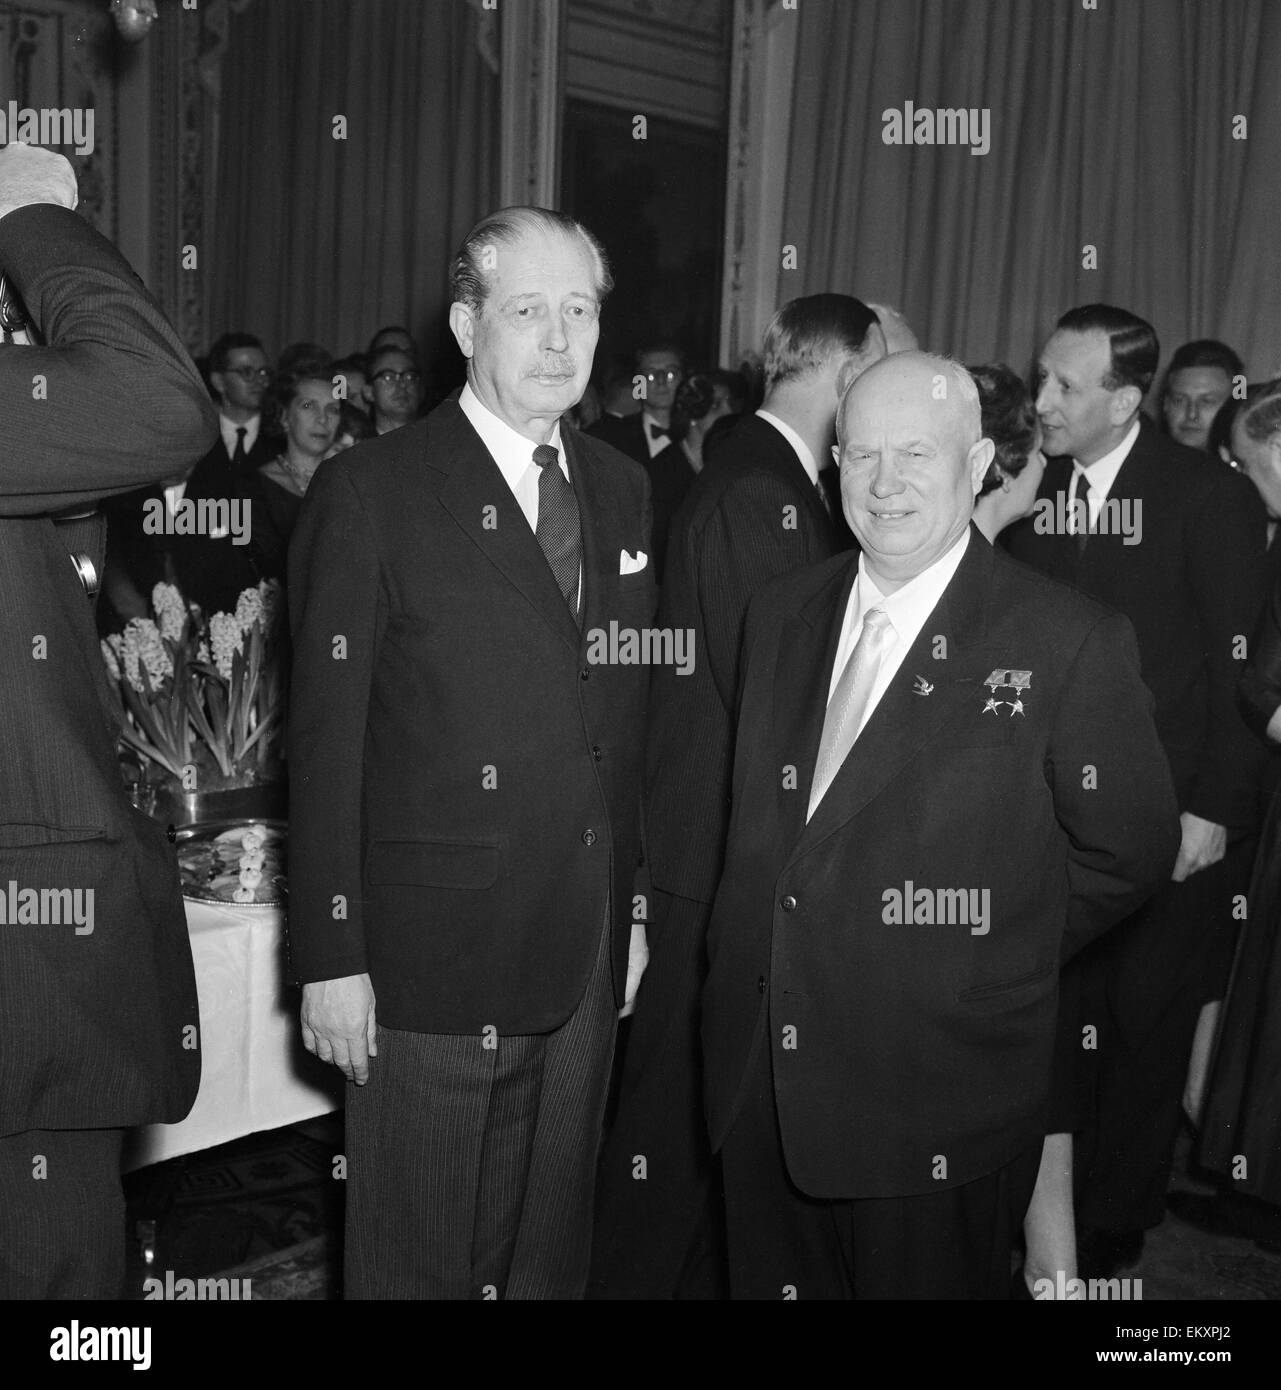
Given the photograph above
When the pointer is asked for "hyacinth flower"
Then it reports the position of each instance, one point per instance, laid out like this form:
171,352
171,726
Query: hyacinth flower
201,694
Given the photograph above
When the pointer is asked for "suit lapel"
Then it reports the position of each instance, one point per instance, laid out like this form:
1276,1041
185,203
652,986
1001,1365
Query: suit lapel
905,720
474,493
807,648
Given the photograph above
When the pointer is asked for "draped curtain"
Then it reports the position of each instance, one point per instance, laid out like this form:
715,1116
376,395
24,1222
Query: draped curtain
1110,128
323,238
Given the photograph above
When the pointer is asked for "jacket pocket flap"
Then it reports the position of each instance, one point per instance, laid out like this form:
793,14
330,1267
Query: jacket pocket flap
1000,988
433,863
29,834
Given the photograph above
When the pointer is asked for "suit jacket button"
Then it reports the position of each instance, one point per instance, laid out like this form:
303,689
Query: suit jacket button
760,985
596,753
788,904
589,837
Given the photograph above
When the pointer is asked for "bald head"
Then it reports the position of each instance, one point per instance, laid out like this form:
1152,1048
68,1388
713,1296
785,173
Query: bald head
912,459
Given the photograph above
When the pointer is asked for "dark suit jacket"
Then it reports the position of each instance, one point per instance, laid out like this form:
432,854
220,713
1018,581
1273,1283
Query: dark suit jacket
209,570
464,781
911,1042
625,433
751,514
1192,587
670,479
91,1026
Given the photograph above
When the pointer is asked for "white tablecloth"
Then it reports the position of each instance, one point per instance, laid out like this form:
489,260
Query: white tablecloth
255,1074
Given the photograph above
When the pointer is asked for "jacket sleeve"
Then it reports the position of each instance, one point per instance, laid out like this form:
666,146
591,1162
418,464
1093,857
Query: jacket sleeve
112,401
1113,793
335,610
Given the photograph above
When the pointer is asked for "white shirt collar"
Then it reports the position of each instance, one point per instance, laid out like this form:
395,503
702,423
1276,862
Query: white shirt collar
808,462
510,450
229,428
1102,472
909,606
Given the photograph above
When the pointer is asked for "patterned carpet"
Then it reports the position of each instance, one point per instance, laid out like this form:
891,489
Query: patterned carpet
267,1208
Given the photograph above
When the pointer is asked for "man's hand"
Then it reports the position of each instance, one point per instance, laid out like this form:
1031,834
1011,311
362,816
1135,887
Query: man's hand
637,960
30,175
898,335
1204,843
1274,726
338,1024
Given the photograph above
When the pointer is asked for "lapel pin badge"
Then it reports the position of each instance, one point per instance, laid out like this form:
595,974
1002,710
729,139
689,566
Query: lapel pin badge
922,687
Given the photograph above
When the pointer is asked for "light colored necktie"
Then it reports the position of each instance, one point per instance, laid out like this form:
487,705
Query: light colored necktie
846,708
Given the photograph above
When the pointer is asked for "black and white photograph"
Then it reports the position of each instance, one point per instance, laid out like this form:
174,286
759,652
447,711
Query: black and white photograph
640,661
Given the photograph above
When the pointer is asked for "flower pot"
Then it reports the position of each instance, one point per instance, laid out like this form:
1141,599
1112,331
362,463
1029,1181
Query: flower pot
259,801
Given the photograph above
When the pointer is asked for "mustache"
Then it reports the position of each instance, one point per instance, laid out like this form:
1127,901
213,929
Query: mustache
555,365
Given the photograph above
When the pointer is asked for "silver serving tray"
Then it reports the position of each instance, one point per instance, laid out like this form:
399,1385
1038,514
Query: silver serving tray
202,861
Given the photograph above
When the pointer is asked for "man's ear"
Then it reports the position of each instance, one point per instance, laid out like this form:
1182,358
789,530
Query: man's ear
981,455
1124,403
462,324
219,383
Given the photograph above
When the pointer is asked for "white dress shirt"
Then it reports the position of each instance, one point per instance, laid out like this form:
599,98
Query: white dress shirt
512,452
908,609
808,461
1101,475
514,455
228,430
650,428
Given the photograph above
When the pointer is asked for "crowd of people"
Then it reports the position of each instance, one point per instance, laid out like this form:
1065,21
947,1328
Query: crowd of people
936,893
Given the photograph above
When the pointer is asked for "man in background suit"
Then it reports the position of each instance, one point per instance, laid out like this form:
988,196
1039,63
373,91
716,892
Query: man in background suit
465,782
756,511
1176,544
99,1027
945,774
209,568
646,433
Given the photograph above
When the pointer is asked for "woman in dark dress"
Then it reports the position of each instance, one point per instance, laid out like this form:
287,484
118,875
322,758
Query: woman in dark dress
304,409
1241,1125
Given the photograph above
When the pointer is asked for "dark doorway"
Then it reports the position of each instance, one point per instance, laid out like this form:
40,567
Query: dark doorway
657,205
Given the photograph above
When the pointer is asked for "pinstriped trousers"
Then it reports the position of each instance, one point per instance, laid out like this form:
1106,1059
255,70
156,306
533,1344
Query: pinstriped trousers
471,1169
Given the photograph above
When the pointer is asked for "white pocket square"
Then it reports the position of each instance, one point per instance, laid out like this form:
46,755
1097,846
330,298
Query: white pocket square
632,564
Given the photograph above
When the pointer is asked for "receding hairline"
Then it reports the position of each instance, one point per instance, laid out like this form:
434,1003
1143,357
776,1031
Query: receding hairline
510,227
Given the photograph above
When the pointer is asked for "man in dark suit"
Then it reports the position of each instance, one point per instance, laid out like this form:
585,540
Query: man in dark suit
756,511
210,565
945,775
645,434
1151,528
99,1028
465,775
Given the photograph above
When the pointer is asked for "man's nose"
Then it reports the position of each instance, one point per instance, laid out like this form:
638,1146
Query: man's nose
885,478
555,339
1043,398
